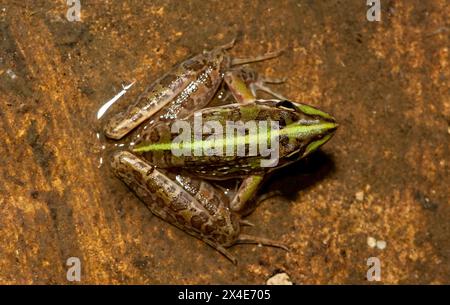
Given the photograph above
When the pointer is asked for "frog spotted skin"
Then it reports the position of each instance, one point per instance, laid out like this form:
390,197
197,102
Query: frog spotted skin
295,139
176,188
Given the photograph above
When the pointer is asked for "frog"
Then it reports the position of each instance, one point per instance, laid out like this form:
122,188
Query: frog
180,189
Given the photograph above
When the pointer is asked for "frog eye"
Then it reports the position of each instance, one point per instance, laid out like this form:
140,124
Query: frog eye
288,105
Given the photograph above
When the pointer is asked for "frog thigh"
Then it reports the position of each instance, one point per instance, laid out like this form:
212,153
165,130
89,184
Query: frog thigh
165,198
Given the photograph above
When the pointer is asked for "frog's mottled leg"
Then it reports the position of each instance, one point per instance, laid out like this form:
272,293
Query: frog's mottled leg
249,239
242,61
168,200
242,202
187,86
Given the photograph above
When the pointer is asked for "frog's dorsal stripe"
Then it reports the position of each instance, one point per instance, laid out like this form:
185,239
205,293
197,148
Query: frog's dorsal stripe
293,131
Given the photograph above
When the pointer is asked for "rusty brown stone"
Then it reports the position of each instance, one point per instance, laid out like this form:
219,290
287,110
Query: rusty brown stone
386,83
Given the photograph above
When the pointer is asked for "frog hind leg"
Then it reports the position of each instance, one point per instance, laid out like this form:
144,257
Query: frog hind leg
250,239
144,179
222,250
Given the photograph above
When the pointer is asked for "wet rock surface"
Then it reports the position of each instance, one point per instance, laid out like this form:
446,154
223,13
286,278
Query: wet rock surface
379,188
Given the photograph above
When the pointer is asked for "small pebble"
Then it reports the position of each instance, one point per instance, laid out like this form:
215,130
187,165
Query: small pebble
279,279
359,196
11,74
381,244
371,242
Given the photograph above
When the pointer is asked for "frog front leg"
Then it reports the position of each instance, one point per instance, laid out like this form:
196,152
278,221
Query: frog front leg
243,83
243,201
189,204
